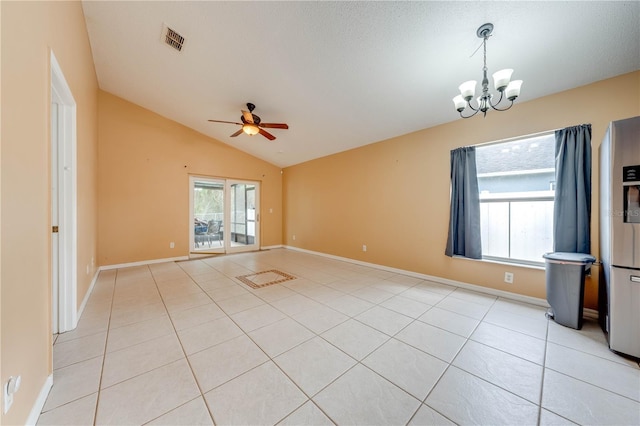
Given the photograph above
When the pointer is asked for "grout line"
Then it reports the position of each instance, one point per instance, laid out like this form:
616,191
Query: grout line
172,410
544,369
450,364
269,359
184,352
306,268
106,342
593,384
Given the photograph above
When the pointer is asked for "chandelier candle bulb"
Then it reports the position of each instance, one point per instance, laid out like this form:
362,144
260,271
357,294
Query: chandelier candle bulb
460,103
468,89
513,89
501,79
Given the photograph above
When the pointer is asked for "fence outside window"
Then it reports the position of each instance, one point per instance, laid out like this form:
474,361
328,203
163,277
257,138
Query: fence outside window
516,180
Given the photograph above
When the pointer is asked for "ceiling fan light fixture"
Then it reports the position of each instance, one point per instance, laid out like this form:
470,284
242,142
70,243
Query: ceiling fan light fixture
250,124
250,129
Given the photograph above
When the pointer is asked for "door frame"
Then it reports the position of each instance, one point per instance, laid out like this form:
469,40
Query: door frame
227,219
65,293
192,252
227,246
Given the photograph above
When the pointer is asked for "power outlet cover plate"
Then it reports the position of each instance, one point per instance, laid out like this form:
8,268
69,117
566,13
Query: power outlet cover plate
7,397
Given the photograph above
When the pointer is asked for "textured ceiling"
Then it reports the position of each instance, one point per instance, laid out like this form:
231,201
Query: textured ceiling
345,74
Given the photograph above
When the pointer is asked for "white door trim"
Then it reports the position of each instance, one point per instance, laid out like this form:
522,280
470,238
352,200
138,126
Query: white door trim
67,200
55,185
256,244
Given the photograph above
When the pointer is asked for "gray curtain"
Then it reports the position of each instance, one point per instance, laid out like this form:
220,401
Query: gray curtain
572,204
464,222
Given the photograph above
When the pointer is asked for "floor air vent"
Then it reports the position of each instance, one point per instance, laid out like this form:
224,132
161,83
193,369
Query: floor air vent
172,38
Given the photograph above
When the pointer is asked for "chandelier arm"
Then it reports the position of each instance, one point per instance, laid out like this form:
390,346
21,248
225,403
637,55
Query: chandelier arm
471,115
502,109
495,105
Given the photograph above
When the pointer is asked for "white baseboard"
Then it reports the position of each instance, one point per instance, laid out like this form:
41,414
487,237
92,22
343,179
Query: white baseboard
86,296
480,289
590,313
586,312
39,404
169,259
142,263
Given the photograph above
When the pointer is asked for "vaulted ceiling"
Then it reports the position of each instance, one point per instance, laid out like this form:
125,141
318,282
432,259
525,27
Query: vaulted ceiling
345,74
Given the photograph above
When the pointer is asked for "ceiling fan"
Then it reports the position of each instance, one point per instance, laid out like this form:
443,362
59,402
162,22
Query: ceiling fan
251,124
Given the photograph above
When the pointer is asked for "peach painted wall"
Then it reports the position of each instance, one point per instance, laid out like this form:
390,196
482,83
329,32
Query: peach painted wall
393,196
30,30
144,165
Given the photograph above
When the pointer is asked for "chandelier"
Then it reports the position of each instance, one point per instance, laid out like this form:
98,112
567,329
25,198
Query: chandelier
501,82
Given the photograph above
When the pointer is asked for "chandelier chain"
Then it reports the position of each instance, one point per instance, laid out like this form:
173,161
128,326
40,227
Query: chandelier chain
484,44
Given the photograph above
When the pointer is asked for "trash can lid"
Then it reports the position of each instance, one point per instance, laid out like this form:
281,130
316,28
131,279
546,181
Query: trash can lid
561,256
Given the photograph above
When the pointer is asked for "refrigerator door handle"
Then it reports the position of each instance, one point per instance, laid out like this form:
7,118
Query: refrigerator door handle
635,279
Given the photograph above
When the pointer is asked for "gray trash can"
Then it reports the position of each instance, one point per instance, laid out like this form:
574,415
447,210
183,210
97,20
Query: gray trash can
565,286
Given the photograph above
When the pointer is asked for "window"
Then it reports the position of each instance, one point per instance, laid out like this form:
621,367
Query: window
516,180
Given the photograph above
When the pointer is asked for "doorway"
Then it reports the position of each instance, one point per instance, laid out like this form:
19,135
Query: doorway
64,315
225,215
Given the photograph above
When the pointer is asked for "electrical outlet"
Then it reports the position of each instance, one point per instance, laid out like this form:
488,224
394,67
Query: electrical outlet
294,237
7,397
172,245
364,247
508,277
9,388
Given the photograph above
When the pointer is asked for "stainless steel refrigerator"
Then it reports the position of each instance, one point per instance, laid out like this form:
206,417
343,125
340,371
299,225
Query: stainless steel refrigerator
620,235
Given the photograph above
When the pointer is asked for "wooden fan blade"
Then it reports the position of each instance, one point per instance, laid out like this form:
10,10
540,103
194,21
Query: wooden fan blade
274,125
267,135
247,116
228,122
236,133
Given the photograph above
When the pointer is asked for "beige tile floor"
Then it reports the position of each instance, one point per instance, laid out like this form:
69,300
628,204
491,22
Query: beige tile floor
186,343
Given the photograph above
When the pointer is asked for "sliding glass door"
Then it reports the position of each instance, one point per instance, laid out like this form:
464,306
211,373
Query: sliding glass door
224,215
243,214
207,215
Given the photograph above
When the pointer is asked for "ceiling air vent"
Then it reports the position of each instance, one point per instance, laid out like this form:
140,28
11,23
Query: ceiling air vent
172,38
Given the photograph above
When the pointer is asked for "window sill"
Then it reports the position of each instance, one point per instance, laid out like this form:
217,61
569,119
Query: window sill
540,267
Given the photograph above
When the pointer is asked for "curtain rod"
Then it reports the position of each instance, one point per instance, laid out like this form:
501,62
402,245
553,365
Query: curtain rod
531,135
